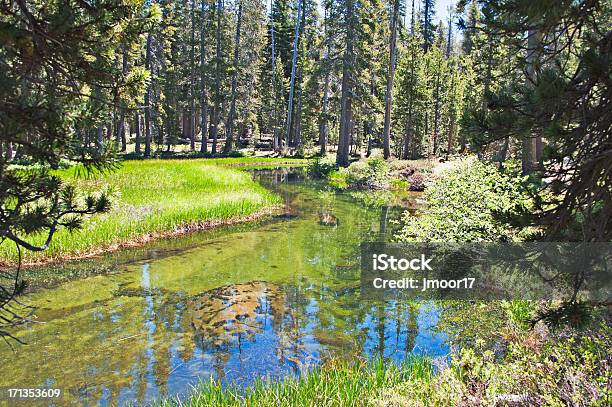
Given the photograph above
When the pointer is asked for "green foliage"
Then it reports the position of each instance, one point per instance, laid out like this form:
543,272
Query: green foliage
170,195
464,204
554,102
372,173
520,312
566,369
337,383
321,167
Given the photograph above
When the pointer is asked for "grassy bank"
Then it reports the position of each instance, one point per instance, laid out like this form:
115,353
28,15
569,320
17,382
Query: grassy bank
335,384
155,198
537,368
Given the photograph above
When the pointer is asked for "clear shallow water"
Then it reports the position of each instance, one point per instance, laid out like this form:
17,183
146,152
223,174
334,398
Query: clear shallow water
263,300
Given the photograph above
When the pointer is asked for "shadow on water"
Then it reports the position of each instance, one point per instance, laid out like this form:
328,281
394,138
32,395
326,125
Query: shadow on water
264,300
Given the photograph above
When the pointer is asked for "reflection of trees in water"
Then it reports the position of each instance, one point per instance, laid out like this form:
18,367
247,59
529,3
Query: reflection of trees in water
222,315
225,317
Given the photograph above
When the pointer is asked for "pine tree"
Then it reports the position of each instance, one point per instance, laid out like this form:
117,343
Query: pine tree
48,114
413,95
394,22
427,24
563,96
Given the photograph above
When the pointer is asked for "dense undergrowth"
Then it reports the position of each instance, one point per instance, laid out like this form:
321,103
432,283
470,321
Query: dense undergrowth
468,203
373,173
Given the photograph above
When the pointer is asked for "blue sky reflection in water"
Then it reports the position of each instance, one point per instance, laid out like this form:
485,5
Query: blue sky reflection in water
264,300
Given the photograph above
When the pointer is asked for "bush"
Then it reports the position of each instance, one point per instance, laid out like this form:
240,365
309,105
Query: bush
372,173
466,203
321,167
235,154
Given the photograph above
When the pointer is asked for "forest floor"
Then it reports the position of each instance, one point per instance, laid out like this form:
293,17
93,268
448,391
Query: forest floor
158,198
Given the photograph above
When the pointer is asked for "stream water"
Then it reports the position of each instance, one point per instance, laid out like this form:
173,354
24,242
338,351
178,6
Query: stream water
263,300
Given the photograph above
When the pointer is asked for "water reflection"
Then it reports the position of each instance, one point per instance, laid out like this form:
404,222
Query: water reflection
265,302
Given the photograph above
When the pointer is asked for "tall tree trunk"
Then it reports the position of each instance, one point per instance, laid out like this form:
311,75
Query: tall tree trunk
293,66
229,138
390,77
298,123
344,138
9,151
276,134
409,131
451,134
147,100
192,119
216,110
137,130
437,110
530,157
323,130
122,110
203,90
100,139
298,117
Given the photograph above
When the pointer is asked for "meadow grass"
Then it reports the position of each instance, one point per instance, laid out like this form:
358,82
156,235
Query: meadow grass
155,197
337,383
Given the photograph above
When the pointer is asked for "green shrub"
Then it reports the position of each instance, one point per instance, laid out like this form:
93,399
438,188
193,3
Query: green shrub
466,203
372,173
321,167
235,154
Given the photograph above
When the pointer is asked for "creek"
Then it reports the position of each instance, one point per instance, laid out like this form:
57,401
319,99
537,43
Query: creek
261,300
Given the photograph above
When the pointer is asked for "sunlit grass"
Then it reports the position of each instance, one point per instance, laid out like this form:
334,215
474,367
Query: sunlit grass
338,383
158,196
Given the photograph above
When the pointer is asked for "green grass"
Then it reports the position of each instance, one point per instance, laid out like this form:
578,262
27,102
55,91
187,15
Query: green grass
156,197
338,383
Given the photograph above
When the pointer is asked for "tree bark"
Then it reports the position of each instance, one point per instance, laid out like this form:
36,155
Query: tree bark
344,138
192,120
122,110
215,121
298,121
137,130
530,157
203,90
390,77
147,101
323,130
294,61
229,138
437,110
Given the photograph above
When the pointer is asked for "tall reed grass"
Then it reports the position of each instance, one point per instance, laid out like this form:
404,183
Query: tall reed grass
339,383
153,197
